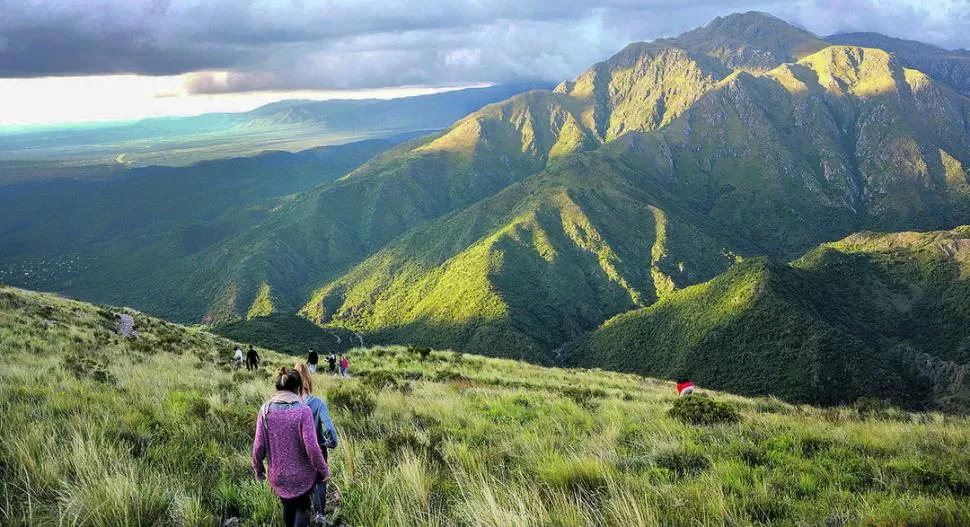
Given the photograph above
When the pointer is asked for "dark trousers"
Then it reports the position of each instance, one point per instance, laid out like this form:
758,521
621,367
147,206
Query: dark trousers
296,511
319,497
319,491
252,364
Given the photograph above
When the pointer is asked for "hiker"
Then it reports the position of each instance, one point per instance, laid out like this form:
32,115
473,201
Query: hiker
237,357
684,387
332,362
311,360
326,437
344,366
287,440
252,359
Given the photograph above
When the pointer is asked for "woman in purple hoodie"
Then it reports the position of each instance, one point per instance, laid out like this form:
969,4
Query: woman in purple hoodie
286,437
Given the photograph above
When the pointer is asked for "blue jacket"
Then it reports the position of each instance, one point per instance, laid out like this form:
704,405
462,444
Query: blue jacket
326,433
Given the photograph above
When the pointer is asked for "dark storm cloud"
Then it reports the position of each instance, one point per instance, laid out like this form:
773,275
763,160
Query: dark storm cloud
350,44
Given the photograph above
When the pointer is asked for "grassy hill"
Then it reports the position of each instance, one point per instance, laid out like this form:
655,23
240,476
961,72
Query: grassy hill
872,315
101,430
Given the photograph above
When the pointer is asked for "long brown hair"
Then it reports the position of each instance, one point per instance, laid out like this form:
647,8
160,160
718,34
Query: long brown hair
306,379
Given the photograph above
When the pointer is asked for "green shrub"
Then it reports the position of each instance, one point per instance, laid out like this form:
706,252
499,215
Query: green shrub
700,410
381,380
352,398
880,409
448,375
683,462
583,396
90,366
582,475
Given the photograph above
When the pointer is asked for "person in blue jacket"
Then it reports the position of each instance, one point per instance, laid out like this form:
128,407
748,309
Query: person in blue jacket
326,436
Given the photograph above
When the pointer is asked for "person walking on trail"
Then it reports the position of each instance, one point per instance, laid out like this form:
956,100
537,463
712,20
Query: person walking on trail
332,363
326,437
344,366
684,387
312,359
287,440
252,359
237,357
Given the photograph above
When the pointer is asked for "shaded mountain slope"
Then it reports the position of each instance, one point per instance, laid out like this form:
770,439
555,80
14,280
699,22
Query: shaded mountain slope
872,315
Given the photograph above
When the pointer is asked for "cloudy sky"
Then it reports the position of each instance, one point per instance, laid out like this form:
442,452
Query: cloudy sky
73,60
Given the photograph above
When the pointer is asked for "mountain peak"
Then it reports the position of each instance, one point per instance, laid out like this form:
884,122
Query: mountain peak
752,41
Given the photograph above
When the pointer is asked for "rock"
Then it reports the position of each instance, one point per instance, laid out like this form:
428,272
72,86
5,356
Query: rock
231,522
126,326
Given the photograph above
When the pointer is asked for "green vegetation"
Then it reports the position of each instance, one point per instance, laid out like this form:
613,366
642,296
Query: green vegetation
287,333
882,316
533,220
701,410
164,437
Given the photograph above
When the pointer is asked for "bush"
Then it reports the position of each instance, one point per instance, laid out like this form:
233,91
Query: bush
585,475
683,462
699,410
448,375
352,398
583,396
421,351
92,367
879,409
380,380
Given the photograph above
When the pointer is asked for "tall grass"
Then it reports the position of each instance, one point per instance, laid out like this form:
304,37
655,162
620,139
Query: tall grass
165,438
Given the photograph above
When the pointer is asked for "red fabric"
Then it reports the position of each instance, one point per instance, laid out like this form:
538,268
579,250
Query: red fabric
681,386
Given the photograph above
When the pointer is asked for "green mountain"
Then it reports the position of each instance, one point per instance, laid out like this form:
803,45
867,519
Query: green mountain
878,315
531,221
644,87
773,164
951,67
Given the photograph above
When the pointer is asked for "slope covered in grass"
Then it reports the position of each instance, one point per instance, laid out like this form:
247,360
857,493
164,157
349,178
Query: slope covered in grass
881,316
532,267
773,164
98,430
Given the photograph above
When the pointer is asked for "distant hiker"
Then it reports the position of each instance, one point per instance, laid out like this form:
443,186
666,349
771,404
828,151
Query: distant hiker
326,437
286,438
684,387
332,362
344,366
237,357
312,360
252,359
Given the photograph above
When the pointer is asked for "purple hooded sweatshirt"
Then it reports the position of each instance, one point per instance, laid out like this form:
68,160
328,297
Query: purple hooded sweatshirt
287,437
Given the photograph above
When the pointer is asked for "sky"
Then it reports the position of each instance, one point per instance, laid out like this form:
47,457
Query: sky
81,60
